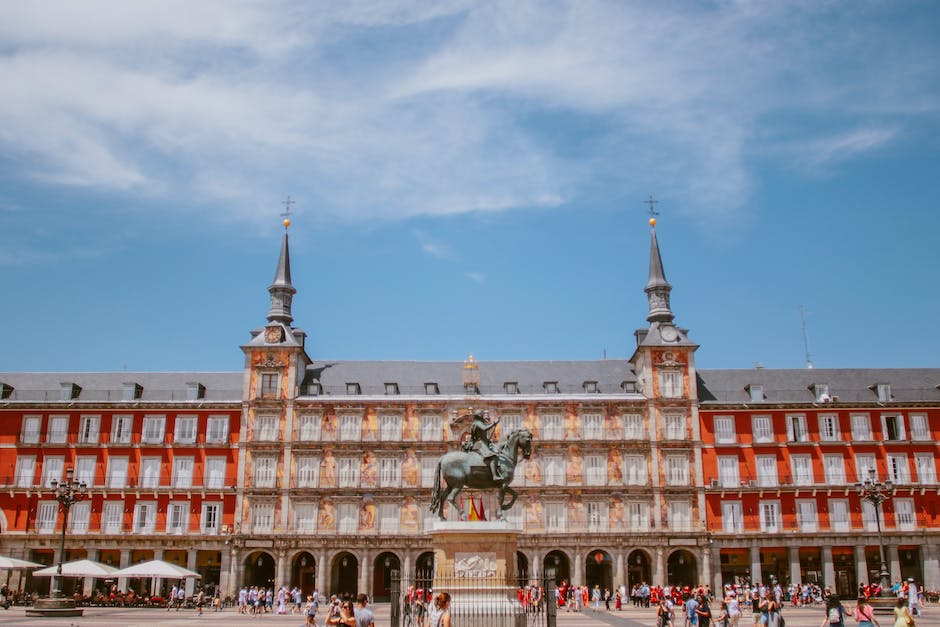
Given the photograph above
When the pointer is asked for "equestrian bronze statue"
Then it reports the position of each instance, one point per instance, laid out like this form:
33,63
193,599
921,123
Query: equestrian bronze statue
480,465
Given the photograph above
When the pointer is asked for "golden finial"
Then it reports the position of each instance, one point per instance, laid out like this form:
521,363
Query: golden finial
653,212
286,214
470,362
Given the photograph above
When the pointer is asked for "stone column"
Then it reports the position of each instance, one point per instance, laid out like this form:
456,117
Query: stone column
124,563
365,573
894,564
717,582
156,584
321,584
793,556
930,566
225,581
756,574
280,567
233,583
578,571
618,569
705,574
191,565
659,568
861,566
829,570
406,567
88,582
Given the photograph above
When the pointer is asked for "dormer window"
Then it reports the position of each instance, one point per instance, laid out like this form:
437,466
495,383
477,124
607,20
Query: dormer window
629,387
353,389
131,391
883,390
471,388
821,392
195,391
550,387
590,387
6,390
755,393
315,389
511,387
431,387
69,391
391,389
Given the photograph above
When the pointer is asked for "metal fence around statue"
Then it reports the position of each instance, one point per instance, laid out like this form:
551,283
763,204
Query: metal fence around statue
503,600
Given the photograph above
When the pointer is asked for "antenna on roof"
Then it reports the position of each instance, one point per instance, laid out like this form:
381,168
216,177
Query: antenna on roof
806,353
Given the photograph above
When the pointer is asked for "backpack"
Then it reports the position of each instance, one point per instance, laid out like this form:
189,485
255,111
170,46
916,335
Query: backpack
834,615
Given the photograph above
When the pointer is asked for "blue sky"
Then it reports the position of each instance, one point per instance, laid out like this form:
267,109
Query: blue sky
469,178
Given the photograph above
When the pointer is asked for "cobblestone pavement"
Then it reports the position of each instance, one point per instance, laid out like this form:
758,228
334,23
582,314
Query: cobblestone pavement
629,617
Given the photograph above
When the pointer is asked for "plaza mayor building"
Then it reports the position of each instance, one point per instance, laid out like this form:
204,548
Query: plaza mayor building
299,470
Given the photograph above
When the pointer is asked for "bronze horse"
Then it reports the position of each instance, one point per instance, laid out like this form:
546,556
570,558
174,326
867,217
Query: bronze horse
462,469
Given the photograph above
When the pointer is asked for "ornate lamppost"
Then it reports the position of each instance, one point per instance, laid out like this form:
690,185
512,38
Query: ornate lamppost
67,493
877,492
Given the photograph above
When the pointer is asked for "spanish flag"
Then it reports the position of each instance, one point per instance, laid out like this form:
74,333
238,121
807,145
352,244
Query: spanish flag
474,515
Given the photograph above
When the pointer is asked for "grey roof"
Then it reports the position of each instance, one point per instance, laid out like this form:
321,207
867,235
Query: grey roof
108,386
411,376
848,385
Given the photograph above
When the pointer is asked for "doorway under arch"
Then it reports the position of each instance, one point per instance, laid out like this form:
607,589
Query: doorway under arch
424,570
638,569
682,569
259,569
599,570
382,569
556,567
344,576
304,572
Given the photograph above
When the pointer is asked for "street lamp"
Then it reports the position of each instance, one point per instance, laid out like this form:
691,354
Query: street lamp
877,492
67,493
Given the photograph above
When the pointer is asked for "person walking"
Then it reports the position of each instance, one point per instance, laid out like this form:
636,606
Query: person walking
902,617
364,616
835,613
439,615
864,613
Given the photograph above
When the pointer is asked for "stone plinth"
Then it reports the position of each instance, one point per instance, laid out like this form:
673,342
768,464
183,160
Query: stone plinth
54,608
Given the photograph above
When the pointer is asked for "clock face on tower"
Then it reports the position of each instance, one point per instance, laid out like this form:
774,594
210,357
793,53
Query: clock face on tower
273,335
668,333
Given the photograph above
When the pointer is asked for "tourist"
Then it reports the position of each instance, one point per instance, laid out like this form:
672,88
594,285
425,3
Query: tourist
439,616
864,613
364,616
703,611
663,615
902,617
596,598
835,613
310,612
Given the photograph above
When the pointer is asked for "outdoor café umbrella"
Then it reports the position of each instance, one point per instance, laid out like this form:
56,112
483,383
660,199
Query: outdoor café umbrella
157,568
78,568
11,563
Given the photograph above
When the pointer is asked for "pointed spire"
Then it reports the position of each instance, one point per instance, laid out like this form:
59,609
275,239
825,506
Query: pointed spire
657,288
281,289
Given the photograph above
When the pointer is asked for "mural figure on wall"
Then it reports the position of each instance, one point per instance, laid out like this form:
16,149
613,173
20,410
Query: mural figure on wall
411,429
575,471
367,516
410,469
617,514
614,470
572,426
577,518
613,426
328,469
533,470
535,514
368,472
531,422
370,426
326,516
409,514
328,428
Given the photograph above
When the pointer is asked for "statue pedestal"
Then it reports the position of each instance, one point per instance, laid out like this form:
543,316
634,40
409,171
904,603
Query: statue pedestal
475,562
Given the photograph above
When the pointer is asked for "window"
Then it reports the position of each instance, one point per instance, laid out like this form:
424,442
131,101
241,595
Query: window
883,390
183,472
829,428
821,393
552,427
556,515
628,386
348,516
264,472
861,427
634,469
869,516
389,472
807,516
766,471
595,467
69,391
554,467
185,430
52,470
350,427
25,471
121,428
680,515
904,514
117,472
597,515
670,384
58,430
638,516
674,427
919,428
755,393
724,430
796,428
802,466
308,427
266,428
510,422
770,518
348,476
391,389
262,517
431,388
150,472
88,429
46,515
898,469
677,470
305,517
389,518
314,388
145,517
308,471
864,464
389,428
763,430
428,468
592,426
728,473
177,517
112,515
211,518
926,468
892,428
353,389
590,387
195,391
431,428
550,387
732,517
839,515
215,473
633,427
834,467
30,433
153,430
217,430
270,384
79,516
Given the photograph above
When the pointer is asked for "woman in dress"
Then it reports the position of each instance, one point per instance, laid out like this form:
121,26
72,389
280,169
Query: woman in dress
902,616
439,616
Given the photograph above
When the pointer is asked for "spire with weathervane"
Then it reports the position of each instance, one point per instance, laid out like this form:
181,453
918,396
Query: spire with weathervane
657,287
281,290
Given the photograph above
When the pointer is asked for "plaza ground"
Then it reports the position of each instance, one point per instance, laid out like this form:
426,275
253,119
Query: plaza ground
629,617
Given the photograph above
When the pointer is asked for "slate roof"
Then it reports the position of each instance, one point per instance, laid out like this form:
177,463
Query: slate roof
108,386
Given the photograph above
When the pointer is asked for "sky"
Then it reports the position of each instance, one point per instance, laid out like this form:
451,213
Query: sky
469,177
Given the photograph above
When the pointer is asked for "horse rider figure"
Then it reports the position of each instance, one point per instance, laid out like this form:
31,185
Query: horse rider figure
479,441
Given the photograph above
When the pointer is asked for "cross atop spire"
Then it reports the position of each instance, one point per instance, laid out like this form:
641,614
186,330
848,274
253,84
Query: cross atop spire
281,290
652,209
286,213
657,288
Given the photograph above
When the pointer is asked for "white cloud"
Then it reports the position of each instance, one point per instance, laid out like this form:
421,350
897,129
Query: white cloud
432,246
848,145
476,277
